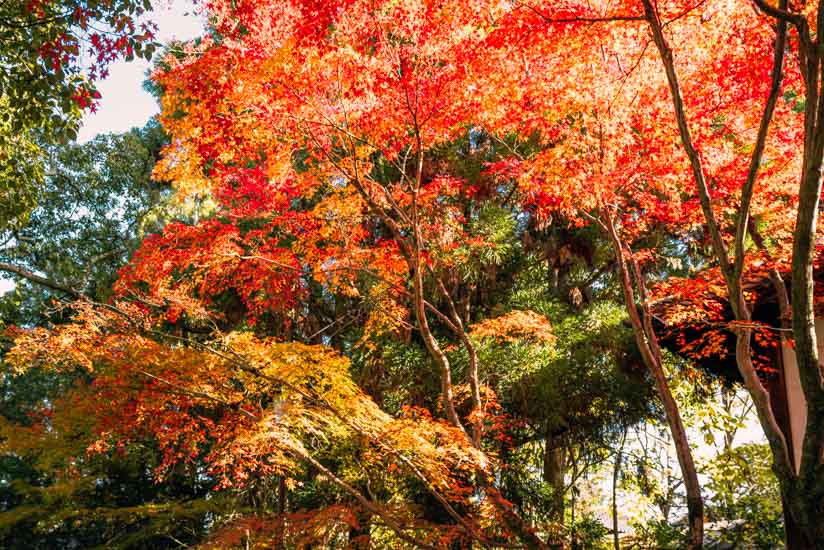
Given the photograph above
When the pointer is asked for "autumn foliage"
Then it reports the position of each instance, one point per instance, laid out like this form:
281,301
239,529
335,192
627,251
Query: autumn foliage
324,134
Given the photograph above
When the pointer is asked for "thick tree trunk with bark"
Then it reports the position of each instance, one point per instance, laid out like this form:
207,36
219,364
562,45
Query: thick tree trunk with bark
554,473
805,494
794,534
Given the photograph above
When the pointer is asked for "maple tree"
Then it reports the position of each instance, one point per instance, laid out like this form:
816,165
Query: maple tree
728,135
337,130
797,484
255,407
184,276
369,163
337,135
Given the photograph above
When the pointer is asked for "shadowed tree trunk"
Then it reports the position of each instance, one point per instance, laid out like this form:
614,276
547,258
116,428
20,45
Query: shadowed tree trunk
554,474
616,474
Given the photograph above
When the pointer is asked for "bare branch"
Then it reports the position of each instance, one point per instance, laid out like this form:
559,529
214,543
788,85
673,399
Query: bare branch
758,151
40,280
795,19
579,19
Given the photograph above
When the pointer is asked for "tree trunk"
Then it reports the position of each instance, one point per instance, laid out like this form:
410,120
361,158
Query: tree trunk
475,388
573,535
803,493
432,345
616,473
806,505
473,376
554,473
651,355
794,536
803,510
512,520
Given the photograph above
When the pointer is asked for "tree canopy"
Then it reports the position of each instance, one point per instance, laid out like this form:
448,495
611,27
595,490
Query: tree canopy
394,273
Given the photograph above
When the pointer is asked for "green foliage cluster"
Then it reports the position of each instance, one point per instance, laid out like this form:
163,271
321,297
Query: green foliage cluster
51,52
96,203
744,497
39,89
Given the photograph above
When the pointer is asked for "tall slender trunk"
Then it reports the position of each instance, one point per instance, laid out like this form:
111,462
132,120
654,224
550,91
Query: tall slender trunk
573,534
727,396
473,376
651,354
280,533
475,388
431,343
418,299
616,474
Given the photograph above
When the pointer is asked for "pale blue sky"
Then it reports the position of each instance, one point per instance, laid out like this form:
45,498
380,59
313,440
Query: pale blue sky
125,104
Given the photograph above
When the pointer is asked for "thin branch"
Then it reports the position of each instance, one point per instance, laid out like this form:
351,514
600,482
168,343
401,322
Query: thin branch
795,19
686,137
758,151
579,19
